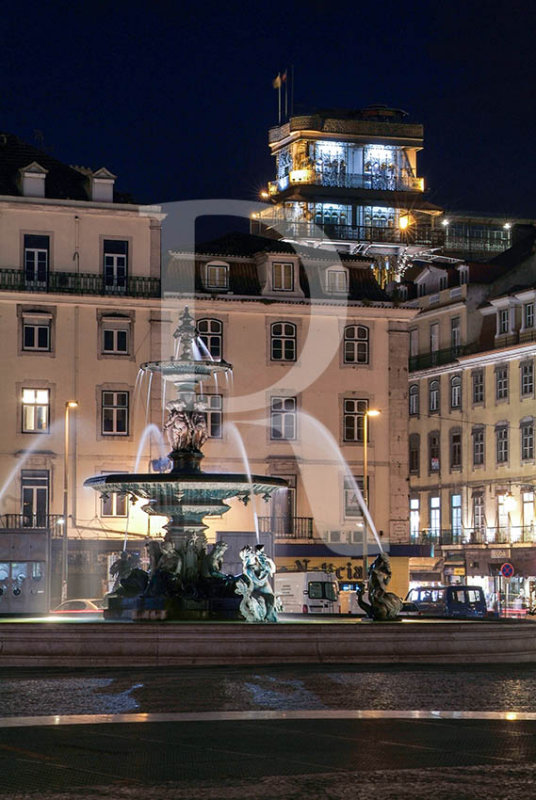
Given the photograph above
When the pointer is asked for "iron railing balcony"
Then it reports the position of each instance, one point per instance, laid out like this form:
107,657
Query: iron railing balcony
16,280
414,234
30,522
287,527
437,358
346,180
508,534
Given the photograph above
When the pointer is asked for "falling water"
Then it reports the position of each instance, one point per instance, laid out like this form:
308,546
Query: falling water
150,431
147,407
196,352
177,347
202,346
233,430
318,431
37,440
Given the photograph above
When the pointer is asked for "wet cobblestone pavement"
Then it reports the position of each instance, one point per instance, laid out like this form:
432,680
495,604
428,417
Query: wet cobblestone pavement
284,758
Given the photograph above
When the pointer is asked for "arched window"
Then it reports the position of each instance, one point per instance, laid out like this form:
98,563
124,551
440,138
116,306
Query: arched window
433,400
283,341
217,275
211,335
456,392
356,344
414,399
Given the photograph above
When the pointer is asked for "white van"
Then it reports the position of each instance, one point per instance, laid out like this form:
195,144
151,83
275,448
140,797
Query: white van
307,593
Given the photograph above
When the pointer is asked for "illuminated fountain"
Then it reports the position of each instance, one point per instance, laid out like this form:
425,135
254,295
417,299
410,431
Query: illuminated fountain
185,579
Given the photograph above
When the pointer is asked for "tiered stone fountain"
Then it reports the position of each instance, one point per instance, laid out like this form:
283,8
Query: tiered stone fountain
186,579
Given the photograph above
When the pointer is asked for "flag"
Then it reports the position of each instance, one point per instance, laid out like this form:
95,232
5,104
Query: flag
276,83
284,77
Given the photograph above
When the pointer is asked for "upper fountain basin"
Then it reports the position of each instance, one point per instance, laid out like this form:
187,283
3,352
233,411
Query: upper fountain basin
174,369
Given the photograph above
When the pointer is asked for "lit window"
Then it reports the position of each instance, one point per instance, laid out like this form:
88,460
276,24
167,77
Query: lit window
356,344
113,504
456,514
478,446
527,379
479,519
211,335
115,413
414,517
36,334
213,413
115,265
217,276
283,341
353,419
35,410
283,277
337,281
283,418
414,399
435,516
352,507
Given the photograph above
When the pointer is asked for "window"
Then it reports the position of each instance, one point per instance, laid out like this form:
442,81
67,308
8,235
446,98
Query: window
527,440
414,453
351,503
211,336
353,419
283,418
217,275
456,392
283,277
443,282
464,275
115,413
478,511
455,335
456,514
433,451
501,383
477,378
413,342
35,410
283,341
115,336
435,516
414,399
455,449
356,344
414,518
528,315
36,333
527,379
478,446
501,440
34,496
434,337
113,504
115,265
527,499
336,281
503,318
36,260
213,404
433,397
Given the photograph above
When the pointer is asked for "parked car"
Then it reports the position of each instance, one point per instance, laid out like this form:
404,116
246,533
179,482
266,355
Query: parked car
449,601
80,606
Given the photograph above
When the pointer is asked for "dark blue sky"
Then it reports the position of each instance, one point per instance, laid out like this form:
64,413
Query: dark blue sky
176,97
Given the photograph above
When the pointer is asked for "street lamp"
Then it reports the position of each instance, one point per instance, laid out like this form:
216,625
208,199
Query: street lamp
371,412
64,567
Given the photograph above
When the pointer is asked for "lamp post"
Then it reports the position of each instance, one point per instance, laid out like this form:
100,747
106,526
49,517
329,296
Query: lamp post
371,412
64,566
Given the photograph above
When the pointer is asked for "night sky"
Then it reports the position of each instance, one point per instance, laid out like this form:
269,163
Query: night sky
176,97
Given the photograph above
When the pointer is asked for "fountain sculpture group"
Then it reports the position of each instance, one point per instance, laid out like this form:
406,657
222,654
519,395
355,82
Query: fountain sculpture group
186,579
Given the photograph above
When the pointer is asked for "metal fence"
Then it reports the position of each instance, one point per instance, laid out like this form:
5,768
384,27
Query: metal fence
79,283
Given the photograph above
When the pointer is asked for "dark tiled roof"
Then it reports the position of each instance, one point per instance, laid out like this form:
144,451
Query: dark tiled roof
249,244
524,248
62,181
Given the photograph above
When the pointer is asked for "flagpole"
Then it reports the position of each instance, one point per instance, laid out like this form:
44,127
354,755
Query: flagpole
286,93
279,99
292,90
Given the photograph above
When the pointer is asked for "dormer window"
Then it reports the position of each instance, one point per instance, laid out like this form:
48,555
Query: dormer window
337,281
422,289
443,282
32,180
503,318
464,275
283,276
217,275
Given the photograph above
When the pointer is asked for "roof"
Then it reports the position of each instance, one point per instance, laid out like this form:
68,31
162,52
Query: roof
62,181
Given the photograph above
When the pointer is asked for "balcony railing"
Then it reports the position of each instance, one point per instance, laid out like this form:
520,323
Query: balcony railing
27,522
287,527
511,534
439,357
414,234
15,280
346,180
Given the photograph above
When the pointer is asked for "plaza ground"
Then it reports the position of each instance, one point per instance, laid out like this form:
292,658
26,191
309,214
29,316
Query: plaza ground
269,732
